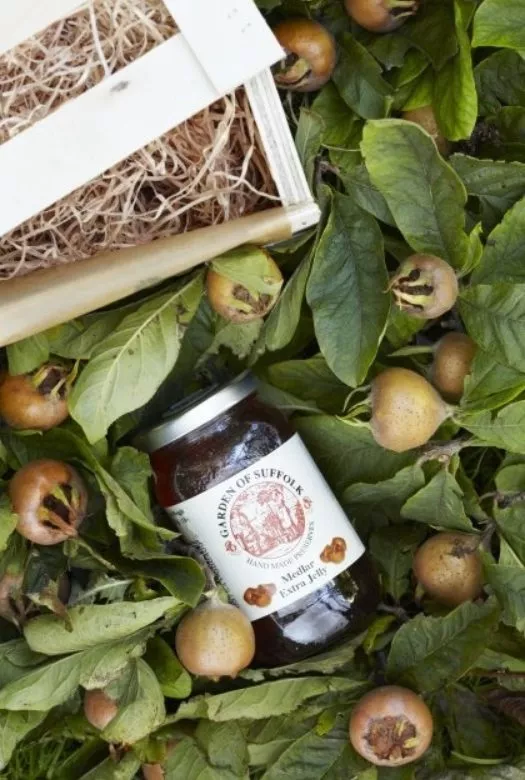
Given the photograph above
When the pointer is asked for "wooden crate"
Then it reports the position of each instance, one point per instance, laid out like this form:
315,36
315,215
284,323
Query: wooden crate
89,134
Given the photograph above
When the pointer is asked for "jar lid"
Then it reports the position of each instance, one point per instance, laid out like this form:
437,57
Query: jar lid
195,411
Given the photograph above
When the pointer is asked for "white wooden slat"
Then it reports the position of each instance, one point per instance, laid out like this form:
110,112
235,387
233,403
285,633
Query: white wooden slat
229,37
21,19
88,135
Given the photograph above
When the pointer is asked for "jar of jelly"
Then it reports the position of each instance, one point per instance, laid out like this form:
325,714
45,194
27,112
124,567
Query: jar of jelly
241,487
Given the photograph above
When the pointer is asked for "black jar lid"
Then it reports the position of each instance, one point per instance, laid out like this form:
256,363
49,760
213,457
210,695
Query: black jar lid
195,411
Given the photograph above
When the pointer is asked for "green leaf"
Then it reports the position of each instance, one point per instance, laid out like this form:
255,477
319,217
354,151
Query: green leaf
393,549
282,323
508,583
432,30
388,495
225,745
141,710
8,521
358,186
326,663
93,624
473,728
54,683
310,379
26,355
430,652
238,337
500,23
504,428
341,125
498,184
439,504
78,339
502,260
174,680
261,701
308,140
346,291
490,384
314,756
494,316
14,726
511,526
358,78
455,100
130,364
347,454
125,769
500,81
188,761
424,194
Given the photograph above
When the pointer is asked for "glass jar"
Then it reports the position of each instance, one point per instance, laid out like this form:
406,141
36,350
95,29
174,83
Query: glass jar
241,487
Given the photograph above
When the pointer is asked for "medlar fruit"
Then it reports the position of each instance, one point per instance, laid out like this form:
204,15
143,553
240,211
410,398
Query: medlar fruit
391,726
453,356
425,286
156,771
425,118
237,303
215,640
448,567
406,409
381,16
311,55
99,708
50,500
36,401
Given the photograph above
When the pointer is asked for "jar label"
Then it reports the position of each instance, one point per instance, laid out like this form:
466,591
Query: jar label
273,533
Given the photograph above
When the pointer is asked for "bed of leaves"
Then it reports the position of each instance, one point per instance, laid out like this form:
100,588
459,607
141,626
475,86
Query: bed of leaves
384,191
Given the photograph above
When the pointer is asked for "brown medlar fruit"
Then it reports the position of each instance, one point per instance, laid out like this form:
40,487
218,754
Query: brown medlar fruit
215,640
425,118
453,356
448,567
391,726
99,708
425,286
406,409
311,55
237,303
36,401
50,500
381,16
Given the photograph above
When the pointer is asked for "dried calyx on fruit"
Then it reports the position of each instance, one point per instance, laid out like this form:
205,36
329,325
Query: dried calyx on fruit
310,55
406,409
50,500
425,286
391,726
449,568
99,708
425,118
381,16
215,640
36,401
453,356
244,285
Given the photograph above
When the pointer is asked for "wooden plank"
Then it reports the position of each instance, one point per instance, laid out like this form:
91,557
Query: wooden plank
21,19
88,135
234,41
33,303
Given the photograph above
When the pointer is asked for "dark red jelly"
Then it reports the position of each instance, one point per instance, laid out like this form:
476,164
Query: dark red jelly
240,485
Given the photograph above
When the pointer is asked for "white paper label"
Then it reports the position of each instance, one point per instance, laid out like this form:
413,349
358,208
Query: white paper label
273,533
